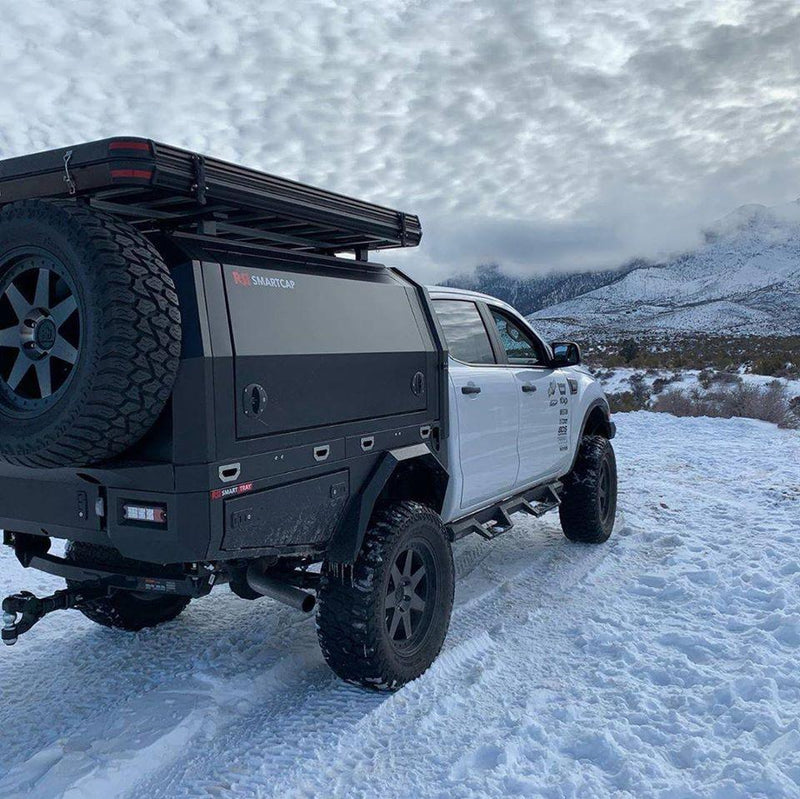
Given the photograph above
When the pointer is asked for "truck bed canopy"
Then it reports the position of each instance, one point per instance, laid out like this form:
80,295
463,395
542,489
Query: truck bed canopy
157,187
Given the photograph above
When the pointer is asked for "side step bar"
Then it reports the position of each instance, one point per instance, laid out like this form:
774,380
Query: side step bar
496,519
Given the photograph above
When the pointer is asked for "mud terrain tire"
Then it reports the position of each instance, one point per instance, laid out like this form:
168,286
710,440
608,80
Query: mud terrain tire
589,502
383,623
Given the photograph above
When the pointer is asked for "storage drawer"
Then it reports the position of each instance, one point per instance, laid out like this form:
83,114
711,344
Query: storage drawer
306,512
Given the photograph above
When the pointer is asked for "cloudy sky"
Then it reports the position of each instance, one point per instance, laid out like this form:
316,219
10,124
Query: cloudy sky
541,134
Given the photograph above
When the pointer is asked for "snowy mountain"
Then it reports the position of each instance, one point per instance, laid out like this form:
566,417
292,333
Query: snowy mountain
743,280
534,293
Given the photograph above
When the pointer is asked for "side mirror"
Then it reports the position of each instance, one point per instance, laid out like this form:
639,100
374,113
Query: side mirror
565,353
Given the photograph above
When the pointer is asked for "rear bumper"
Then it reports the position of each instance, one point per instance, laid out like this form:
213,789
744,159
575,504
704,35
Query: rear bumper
192,583
59,504
283,516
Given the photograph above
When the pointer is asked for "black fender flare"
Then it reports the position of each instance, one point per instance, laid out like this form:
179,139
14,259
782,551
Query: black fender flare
610,428
346,542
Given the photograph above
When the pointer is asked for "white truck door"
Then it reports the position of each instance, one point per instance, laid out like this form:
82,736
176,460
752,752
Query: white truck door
544,401
488,421
484,397
544,425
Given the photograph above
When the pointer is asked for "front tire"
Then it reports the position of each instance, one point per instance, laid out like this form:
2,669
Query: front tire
384,624
122,610
589,502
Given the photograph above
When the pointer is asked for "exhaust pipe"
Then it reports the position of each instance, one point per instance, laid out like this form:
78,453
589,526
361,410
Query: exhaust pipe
280,591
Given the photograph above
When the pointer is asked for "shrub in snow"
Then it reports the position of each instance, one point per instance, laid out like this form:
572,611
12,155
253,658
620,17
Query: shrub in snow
659,384
705,378
729,378
769,403
629,349
624,402
639,388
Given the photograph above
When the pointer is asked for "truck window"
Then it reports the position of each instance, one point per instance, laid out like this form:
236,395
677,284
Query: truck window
464,330
520,346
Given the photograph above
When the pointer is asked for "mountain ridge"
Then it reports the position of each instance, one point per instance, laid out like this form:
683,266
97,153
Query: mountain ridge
744,279
532,294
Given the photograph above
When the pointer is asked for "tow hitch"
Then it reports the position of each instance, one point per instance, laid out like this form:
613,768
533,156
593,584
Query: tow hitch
21,611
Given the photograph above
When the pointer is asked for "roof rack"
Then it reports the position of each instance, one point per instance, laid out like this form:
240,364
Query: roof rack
157,187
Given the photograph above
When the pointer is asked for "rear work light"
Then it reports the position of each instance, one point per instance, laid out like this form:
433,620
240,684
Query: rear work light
152,514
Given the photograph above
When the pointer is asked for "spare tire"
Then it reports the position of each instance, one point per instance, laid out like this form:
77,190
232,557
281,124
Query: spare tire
90,334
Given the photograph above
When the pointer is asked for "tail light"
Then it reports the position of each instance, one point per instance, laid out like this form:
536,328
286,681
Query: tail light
150,514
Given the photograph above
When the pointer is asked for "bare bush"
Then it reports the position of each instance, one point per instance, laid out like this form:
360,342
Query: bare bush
769,403
705,377
794,413
659,384
678,403
728,378
639,388
624,402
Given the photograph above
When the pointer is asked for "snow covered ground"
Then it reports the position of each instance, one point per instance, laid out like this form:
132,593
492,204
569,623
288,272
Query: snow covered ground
663,664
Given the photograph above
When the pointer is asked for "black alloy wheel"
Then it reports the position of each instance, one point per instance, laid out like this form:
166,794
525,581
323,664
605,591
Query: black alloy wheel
40,331
411,584
604,491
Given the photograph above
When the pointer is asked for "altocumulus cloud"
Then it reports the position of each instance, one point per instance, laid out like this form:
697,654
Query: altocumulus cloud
554,134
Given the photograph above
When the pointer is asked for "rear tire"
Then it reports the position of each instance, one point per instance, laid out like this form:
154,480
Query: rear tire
384,624
90,334
123,610
589,502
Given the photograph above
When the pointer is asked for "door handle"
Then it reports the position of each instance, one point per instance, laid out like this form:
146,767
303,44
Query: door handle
470,389
528,388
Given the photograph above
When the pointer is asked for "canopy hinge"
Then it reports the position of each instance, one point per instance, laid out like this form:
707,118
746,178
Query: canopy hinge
199,186
403,230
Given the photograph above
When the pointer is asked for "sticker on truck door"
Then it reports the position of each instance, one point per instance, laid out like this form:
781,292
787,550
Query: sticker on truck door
563,417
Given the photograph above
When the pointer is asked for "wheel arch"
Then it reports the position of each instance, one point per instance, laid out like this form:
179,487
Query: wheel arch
596,422
407,473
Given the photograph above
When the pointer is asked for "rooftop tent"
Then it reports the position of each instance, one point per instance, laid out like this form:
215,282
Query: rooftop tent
158,187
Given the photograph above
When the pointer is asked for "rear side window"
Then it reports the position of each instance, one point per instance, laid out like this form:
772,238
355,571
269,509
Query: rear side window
466,334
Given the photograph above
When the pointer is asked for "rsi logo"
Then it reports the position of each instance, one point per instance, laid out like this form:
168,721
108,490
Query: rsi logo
248,280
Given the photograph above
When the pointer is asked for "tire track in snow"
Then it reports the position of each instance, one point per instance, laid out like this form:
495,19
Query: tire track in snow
270,741
288,651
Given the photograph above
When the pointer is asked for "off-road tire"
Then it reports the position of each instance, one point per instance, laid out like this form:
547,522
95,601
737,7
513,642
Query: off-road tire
354,612
130,335
588,509
123,610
